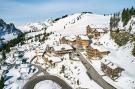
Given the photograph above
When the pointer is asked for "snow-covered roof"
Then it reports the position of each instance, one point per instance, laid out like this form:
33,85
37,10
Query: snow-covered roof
71,38
41,61
18,62
24,65
24,70
83,37
100,48
105,61
112,65
9,60
100,30
16,54
40,54
54,59
21,49
62,46
109,63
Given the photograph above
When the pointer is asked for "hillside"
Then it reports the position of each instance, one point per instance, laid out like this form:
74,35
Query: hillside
76,24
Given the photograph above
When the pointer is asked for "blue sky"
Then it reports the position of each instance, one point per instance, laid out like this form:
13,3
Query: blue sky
26,11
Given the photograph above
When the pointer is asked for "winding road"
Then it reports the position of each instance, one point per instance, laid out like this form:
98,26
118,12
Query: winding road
35,79
31,83
93,74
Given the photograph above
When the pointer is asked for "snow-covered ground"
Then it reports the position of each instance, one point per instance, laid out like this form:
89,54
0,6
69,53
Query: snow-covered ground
120,56
47,84
75,72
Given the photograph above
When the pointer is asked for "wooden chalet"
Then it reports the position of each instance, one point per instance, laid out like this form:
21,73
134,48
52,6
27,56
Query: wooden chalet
68,40
110,69
95,32
89,30
82,40
62,49
93,53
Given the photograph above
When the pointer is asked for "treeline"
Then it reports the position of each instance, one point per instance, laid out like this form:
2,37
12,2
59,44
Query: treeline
20,39
2,83
127,14
114,20
42,39
60,18
125,17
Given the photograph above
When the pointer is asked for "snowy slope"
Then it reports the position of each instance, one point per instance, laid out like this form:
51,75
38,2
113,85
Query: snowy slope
122,57
76,24
130,23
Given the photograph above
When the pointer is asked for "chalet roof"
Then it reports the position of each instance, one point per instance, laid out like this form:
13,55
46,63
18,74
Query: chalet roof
62,47
112,65
100,48
84,37
24,70
54,59
39,54
100,30
105,61
24,65
71,38
109,63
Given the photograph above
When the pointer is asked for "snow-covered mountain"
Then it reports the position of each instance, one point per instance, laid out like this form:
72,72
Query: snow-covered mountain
35,27
8,31
72,24
76,23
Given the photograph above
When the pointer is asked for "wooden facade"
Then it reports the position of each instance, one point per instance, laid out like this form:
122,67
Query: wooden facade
94,53
95,32
62,49
82,42
88,30
65,40
111,70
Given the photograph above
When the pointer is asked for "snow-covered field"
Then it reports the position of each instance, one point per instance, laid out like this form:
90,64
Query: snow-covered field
47,84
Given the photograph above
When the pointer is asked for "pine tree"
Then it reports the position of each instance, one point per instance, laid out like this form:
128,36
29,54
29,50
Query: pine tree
3,55
123,14
2,83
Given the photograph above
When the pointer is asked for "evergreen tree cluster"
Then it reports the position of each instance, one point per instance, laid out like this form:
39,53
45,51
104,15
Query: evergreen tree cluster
2,83
20,39
42,39
133,51
127,14
121,38
114,20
